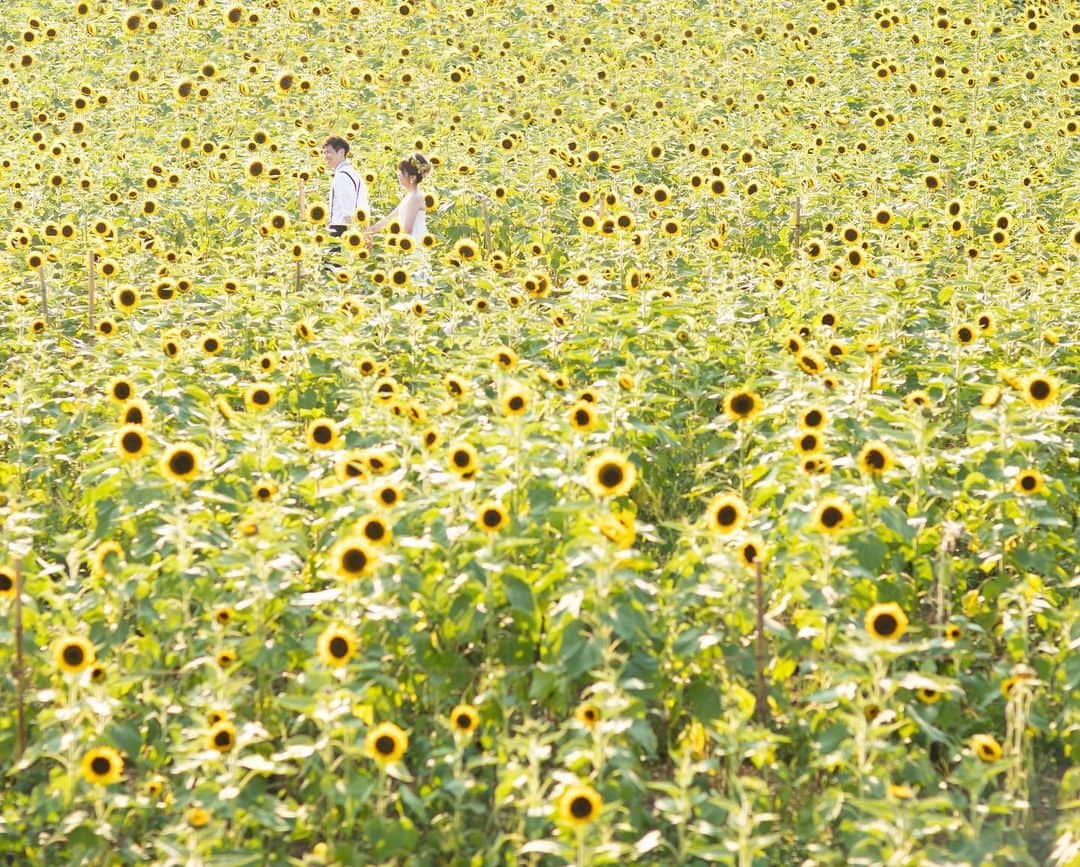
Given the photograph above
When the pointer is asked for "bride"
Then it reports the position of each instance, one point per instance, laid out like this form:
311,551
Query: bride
409,213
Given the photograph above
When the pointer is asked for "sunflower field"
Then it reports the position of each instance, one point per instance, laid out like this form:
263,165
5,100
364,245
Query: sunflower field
702,489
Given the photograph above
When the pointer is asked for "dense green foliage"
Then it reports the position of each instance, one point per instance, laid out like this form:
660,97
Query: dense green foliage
451,556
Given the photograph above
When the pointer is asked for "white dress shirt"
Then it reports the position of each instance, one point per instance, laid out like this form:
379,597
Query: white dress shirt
348,194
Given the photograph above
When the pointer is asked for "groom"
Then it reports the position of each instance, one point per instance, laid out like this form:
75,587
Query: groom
348,192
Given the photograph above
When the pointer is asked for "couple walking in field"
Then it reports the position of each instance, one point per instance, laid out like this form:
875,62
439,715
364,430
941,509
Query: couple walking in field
348,193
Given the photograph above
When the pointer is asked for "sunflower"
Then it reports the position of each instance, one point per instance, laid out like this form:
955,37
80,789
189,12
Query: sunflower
752,551
514,400
102,766
264,490
832,515
813,418
742,405
73,654
105,558
965,333
886,622
336,645
808,443
375,529
106,327
135,412
7,582
1030,482
462,459
181,462
386,743
225,658
259,397
583,417
609,474
953,632
588,714
121,390
618,527
1010,683
431,438
267,362
464,719
388,495
322,433
917,399
579,805
491,516
929,695
125,298
351,465
222,737
876,458
811,363
725,514
198,817
210,344
505,357
223,614
1040,390
986,747
131,441
352,558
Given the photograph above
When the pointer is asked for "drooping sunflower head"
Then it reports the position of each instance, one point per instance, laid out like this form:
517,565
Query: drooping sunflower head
986,747
610,474
886,621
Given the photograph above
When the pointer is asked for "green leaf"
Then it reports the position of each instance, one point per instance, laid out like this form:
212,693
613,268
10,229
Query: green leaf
519,595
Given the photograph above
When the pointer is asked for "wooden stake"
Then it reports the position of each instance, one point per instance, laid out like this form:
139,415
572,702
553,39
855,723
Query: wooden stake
798,225
20,670
44,294
90,291
761,704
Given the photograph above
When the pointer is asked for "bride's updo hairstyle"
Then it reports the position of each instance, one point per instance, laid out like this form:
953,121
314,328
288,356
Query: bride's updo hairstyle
416,166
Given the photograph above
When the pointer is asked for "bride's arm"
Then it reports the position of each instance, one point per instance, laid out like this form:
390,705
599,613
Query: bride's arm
385,221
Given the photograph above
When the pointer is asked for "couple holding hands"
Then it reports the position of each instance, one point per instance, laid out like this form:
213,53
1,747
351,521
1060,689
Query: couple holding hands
348,193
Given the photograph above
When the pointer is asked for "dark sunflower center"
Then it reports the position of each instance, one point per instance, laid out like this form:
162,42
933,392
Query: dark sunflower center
463,721
354,560
6,583
492,517
388,496
211,345
516,403
322,434
384,745
886,624
828,319
750,553
965,334
100,765
808,443
461,458
581,807
375,531
74,655
611,475
261,397
581,418
134,415
831,516
339,647
726,515
1028,483
222,739
875,459
742,404
809,363
1039,389
132,442
182,463
122,390
813,418
127,297
354,469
